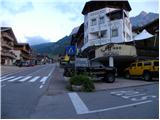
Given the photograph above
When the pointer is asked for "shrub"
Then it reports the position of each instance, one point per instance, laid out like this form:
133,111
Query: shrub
83,80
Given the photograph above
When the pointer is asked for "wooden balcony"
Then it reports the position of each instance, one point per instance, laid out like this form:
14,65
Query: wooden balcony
9,54
6,35
8,46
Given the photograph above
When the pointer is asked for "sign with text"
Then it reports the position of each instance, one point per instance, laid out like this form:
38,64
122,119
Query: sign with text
81,62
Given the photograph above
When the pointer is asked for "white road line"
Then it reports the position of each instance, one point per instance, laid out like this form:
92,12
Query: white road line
24,79
43,80
51,72
78,104
118,107
41,86
3,77
34,79
15,79
126,97
8,78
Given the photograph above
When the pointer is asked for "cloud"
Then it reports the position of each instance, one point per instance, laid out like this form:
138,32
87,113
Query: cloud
13,7
72,8
36,40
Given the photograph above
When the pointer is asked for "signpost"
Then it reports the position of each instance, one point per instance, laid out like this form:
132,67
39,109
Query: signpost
71,50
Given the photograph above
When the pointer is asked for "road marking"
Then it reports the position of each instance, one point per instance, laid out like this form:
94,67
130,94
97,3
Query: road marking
3,77
51,72
43,80
126,97
15,79
7,78
78,104
24,79
119,107
34,79
41,86
143,98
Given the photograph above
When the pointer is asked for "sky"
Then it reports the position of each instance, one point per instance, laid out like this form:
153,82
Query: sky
39,21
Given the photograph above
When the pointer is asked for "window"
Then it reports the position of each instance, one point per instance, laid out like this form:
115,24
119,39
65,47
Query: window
139,64
93,22
114,32
104,33
156,63
101,20
147,63
133,65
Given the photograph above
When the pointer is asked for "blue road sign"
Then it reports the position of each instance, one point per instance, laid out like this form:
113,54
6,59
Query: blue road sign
71,50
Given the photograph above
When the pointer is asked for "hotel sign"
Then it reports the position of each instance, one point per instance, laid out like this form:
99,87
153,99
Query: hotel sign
116,50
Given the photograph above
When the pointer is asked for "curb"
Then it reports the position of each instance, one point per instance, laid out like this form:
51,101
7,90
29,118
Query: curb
125,87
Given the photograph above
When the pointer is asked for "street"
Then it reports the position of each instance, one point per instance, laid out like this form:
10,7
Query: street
39,92
22,90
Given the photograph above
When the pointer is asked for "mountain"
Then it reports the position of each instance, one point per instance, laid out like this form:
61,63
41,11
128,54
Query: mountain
52,48
143,18
58,47
36,40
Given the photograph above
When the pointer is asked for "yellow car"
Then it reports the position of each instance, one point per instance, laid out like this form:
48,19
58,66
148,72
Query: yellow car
145,69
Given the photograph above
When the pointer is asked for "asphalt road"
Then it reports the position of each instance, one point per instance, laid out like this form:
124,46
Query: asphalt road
21,90
139,102
24,96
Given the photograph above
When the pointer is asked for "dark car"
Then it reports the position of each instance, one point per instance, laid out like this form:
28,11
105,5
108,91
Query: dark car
18,63
95,69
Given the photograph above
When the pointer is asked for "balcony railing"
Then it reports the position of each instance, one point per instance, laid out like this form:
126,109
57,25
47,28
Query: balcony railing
8,54
7,35
26,56
9,46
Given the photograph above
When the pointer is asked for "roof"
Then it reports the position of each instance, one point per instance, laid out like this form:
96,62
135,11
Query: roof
143,35
74,31
96,5
8,29
152,27
23,44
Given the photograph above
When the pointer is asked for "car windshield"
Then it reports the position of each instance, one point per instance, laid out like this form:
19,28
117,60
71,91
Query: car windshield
156,63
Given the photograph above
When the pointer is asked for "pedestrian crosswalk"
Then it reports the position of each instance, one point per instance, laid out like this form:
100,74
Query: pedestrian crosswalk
30,79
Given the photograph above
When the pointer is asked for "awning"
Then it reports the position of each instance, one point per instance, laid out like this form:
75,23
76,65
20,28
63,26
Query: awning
143,35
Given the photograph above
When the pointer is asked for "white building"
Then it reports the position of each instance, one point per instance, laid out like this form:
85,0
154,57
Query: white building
106,22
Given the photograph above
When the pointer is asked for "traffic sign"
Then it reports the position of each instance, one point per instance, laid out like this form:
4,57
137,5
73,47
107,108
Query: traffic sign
70,50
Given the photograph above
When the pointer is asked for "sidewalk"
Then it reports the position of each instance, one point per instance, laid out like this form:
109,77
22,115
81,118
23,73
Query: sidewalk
57,83
53,97
119,83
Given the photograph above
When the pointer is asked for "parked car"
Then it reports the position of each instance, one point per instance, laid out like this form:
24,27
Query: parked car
18,63
95,69
64,60
146,69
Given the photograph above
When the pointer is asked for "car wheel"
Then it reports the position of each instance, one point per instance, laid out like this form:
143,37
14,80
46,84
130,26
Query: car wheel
110,78
147,76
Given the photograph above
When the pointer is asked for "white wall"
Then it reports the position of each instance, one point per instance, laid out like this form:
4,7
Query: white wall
92,32
17,53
